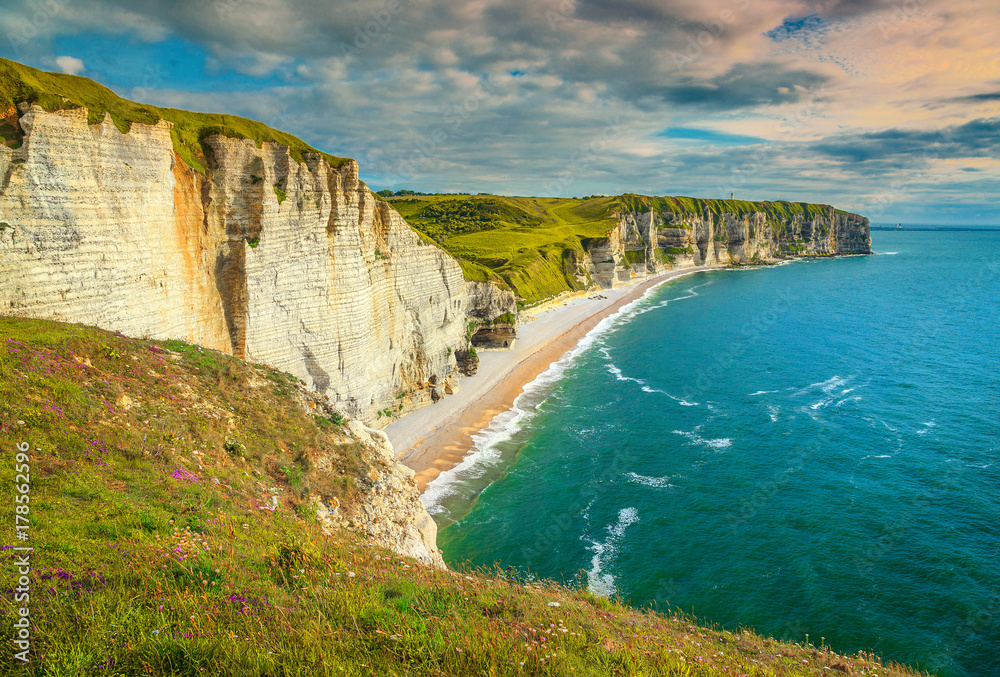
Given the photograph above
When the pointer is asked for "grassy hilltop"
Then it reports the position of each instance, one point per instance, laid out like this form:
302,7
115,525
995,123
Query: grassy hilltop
57,91
533,244
151,465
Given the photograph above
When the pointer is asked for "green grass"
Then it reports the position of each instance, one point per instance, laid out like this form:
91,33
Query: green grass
635,257
775,211
536,245
57,91
135,572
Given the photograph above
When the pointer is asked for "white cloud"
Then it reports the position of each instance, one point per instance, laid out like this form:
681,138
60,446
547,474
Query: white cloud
70,64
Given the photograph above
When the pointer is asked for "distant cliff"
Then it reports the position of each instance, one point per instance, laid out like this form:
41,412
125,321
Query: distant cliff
540,247
663,233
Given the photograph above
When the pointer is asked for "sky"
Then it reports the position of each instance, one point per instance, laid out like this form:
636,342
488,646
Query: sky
888,108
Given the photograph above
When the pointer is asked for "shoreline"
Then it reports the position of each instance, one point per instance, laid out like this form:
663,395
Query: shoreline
438,437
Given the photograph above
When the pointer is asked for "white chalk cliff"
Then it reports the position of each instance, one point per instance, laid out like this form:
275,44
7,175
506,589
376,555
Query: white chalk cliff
293,264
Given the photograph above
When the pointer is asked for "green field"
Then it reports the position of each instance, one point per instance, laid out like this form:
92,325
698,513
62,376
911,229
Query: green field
534,244
56,91
776,211
148,465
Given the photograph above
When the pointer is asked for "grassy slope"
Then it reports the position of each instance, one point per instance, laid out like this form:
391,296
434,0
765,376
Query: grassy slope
56,91
137,572
531,243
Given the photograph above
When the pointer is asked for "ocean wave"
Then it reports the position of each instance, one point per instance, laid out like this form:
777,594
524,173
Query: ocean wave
646,388
826,386
690,293
655,482
718,444
484,455
598,582
762,392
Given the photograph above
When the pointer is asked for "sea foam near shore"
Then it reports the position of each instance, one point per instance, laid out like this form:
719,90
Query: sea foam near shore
496,445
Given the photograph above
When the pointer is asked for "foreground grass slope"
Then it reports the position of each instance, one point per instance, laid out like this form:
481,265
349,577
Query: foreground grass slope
534,245
58,91
154,467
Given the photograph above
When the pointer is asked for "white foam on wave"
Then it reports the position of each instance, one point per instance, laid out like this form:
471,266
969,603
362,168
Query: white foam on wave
772,411
655,482
484,454
762,392
598,582
646,388
834,393
690,293
718,444
827,386
887,253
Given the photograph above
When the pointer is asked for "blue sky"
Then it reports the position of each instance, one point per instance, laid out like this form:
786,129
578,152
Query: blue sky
886,108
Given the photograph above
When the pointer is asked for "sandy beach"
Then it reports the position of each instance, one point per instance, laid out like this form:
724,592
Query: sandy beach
436,438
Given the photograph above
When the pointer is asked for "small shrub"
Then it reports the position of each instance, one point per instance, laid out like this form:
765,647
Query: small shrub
234,448
282,196
332,420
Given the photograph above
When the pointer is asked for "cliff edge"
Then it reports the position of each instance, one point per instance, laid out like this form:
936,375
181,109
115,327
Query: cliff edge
293,264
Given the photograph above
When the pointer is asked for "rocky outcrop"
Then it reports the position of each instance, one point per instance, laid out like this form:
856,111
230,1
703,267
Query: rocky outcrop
488,300
493,318
647,242
293,264
391,514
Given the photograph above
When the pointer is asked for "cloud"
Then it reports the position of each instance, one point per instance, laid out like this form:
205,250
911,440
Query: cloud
977,98
379,80
746,86
70,64
975,139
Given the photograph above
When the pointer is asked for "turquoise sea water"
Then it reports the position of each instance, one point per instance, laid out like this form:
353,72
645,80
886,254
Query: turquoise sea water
812,448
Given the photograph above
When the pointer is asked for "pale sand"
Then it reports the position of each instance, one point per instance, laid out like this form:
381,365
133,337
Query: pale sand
436,438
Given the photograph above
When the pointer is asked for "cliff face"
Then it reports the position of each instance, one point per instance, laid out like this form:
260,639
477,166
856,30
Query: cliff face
493,317
293,264
646,242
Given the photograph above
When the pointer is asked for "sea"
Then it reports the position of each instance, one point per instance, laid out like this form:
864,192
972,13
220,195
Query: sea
811,450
